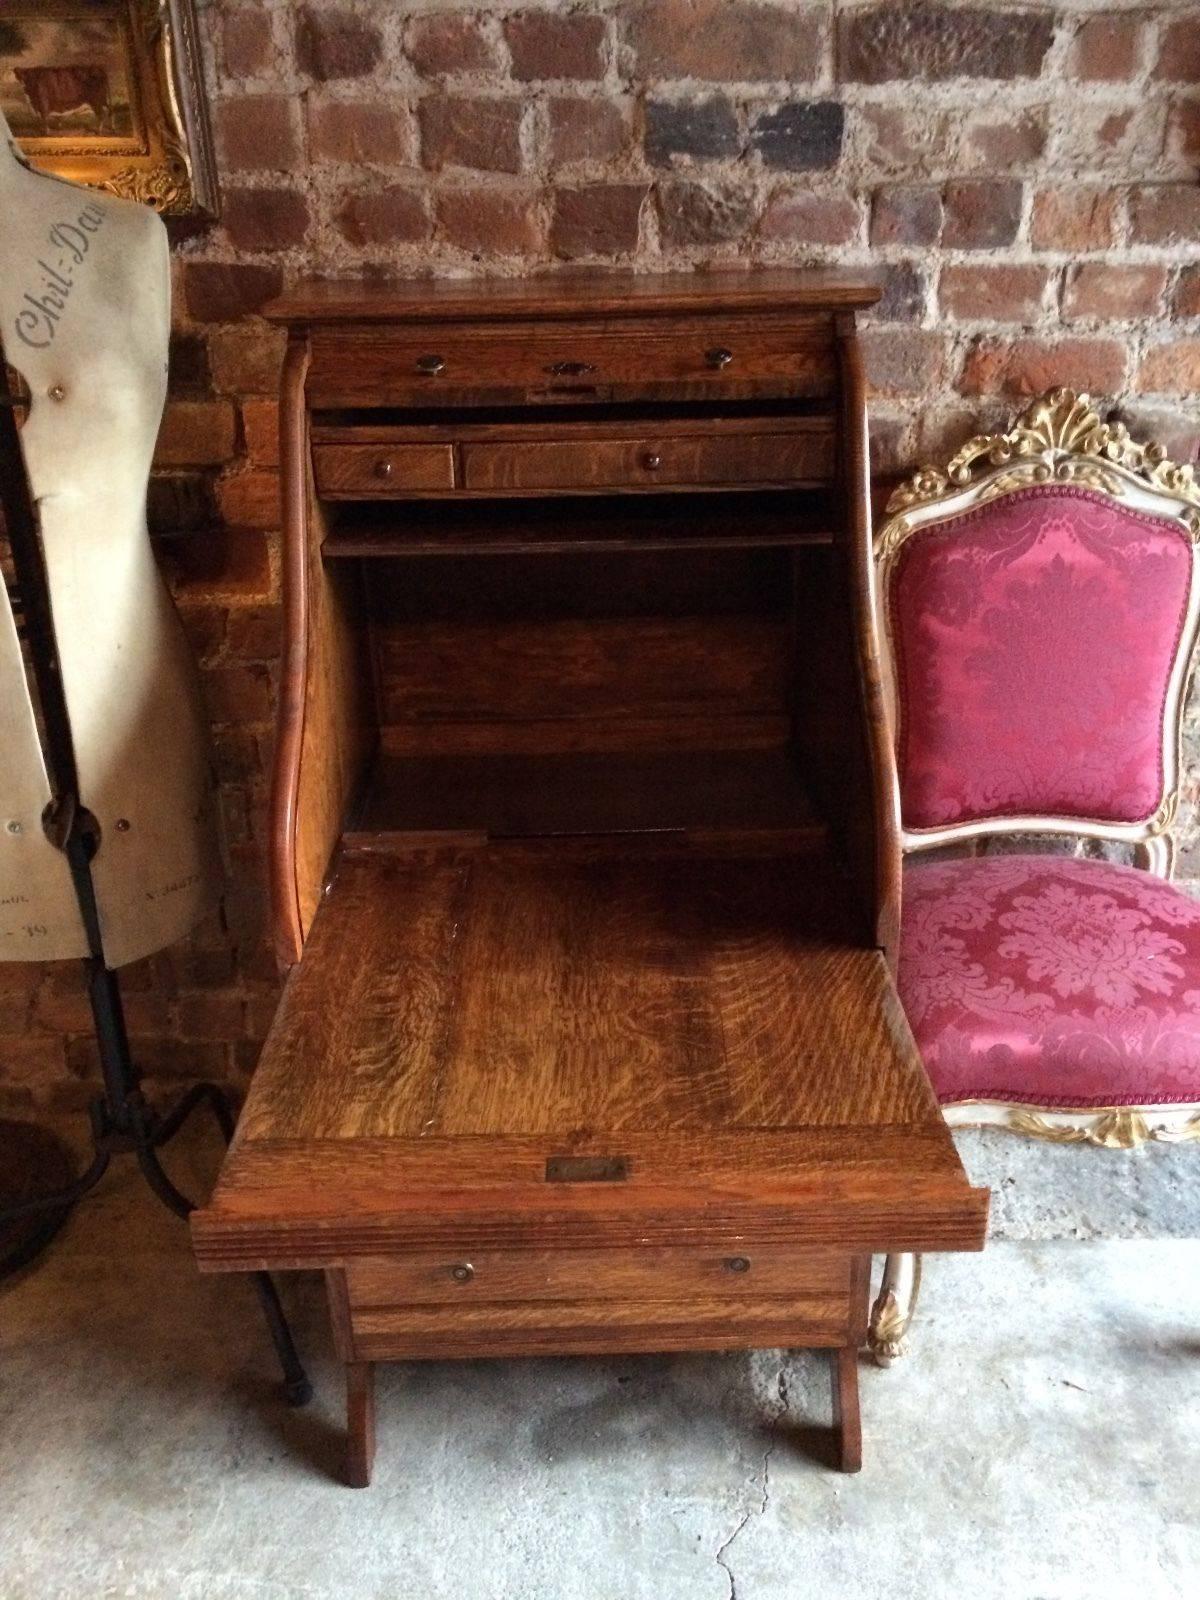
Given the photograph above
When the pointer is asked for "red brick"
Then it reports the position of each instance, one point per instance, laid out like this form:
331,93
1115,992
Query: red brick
195,433
587,130
260,424
981,213
883,43
544,44
253,634
906,213
33,1061
1080,217
246,47
1179,51
490,221
1106,290
1165,213
239,693
703,213
1183,129
1108,137
1006,143
258,133
216,291
247,359
801,217
226,563
205,629
1031,366
903,361
336,44
726,41
599,219
993,293
904,141
250,499
370,132
389,215
210,1016
265,219
1186,300
1172,367
441,46
1106,48
61,1004
467,132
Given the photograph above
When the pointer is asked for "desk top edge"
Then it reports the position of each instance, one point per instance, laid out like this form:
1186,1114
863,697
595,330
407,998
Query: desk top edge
570,293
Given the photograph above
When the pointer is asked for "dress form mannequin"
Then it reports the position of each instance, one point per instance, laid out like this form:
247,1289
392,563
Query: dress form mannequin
85,320
113,754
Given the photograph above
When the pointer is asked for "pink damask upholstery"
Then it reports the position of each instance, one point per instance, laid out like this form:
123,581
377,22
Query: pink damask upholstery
1052,982
1034,638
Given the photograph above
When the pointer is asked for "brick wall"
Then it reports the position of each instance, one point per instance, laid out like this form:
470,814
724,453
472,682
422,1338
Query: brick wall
1025,173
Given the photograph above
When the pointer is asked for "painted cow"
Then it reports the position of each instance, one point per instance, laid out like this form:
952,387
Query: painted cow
55,91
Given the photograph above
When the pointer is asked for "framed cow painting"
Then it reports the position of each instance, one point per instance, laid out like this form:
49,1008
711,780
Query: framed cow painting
111,93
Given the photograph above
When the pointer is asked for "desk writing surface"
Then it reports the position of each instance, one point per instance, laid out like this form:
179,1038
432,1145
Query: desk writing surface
463,1016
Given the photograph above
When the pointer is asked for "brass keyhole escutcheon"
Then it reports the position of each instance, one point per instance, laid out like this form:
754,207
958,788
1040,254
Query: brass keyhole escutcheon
430,366
462,1272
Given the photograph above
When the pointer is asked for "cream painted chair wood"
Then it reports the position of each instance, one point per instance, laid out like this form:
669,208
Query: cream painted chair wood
1037,604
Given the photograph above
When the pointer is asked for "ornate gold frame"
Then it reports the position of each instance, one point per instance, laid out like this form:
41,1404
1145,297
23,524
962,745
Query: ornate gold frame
1059,438
173,168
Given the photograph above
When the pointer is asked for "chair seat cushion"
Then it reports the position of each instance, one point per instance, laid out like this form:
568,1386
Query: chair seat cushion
1052,982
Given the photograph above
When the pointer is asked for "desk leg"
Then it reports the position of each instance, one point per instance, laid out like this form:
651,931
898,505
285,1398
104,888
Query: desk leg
847,1421
360,1422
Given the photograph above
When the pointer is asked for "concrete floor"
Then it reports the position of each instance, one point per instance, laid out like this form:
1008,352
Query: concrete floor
1042,1443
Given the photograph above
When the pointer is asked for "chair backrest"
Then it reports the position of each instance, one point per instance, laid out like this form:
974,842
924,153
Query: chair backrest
1037,603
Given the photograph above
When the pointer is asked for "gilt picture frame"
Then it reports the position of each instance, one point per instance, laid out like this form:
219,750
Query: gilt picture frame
110,93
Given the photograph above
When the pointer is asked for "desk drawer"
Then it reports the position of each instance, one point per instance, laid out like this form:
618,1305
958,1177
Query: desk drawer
368,471
580,1275
439,365
649,462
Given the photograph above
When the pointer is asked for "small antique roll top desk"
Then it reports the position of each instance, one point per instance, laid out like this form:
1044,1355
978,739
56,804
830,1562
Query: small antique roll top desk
584,860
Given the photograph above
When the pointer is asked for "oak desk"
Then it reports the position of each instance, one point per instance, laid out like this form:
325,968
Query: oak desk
582,863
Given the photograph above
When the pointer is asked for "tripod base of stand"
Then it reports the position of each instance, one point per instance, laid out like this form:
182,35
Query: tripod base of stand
32,1162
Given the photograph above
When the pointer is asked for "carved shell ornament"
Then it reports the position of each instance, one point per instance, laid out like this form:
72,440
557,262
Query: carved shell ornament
1059,438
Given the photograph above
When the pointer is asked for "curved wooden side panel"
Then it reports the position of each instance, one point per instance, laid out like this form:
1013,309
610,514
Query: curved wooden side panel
321,733
874,838
289,727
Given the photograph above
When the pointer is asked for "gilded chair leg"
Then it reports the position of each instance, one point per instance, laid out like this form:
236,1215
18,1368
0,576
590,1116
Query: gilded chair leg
893,1309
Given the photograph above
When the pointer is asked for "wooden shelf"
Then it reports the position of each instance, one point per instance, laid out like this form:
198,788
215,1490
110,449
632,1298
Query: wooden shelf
463,1017
514,796
724,520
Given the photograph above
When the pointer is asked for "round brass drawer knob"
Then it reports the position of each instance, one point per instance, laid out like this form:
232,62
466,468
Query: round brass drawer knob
383,468
430,366
462,1272
737,1264
652,461
718,356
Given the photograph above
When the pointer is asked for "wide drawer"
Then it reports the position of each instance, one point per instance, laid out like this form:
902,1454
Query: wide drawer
358,471
439,364
648,462
429,1278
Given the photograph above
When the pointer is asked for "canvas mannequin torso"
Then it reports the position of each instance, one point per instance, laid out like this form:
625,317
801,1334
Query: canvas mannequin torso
85,320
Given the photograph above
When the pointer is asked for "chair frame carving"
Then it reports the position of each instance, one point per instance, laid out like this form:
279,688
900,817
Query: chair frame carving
1058,439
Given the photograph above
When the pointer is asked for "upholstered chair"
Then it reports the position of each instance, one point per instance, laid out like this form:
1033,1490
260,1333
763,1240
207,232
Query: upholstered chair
1037,606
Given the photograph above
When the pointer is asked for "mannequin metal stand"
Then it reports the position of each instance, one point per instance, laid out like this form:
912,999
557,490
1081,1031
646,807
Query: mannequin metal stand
122,1121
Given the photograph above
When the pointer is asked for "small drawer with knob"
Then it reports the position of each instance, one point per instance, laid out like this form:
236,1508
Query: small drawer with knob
369,471
640,1274
718,459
